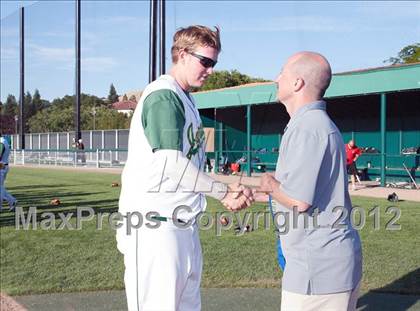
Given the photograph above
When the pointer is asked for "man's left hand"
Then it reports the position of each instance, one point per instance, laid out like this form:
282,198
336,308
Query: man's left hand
268,183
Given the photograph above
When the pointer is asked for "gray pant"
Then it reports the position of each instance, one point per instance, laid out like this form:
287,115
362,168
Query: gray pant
4,195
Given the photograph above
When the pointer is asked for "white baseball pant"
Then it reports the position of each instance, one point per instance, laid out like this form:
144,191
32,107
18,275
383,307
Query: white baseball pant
162,267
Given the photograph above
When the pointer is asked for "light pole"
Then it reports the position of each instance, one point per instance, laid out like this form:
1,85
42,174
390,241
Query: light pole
16,124
94,114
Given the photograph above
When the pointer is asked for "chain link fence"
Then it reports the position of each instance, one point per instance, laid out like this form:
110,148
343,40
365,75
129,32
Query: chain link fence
103,139
69,157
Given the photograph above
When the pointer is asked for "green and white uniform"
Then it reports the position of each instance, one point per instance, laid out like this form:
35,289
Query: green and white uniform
164,171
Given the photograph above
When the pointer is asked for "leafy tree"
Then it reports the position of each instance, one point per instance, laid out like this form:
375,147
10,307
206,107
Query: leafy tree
110,119
408,55
7,123
33,105
27,99
28,109
7,115
224,78
59,116
133,98
113,96
53,119
10,106
85,100
125,98
37,103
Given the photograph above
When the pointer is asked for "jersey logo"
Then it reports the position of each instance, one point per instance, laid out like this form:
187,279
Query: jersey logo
196,141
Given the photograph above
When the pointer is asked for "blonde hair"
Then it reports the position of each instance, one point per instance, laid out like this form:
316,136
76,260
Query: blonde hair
190,38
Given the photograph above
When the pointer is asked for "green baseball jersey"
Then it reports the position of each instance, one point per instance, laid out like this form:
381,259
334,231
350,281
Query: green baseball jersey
165,118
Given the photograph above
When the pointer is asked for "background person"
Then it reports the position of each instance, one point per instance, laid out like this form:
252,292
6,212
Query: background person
352,154
4,169
81,154
74,143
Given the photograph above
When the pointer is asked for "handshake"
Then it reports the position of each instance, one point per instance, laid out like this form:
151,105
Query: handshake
239,196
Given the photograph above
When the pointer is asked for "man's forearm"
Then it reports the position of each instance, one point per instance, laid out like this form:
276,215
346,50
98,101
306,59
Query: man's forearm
182,171
282,198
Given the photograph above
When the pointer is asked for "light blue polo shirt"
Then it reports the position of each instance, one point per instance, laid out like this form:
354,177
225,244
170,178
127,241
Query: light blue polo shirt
320,258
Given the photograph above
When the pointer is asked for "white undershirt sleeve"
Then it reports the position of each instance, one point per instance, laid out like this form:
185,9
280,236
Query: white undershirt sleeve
181,170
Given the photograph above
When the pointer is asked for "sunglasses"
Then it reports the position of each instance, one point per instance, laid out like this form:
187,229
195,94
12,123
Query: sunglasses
205,61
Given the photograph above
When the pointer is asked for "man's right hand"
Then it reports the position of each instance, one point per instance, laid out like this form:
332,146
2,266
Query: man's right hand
238,197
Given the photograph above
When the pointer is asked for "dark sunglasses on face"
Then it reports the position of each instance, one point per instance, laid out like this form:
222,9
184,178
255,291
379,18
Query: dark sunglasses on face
205,61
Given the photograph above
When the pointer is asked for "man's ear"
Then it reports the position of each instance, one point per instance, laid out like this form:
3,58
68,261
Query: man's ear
181,56
299,84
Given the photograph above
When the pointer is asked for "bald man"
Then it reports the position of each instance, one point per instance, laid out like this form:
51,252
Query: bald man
322,250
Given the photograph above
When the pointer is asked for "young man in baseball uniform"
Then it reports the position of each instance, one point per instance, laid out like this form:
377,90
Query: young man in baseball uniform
164,175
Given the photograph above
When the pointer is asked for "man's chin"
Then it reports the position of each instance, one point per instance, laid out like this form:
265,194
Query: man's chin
199,83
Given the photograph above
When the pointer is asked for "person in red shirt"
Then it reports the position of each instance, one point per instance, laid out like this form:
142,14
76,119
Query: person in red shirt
352,153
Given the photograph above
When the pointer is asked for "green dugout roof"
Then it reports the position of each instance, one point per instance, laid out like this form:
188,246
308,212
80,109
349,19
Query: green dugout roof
369,81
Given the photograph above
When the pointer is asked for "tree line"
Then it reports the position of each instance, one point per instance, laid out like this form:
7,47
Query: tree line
58,115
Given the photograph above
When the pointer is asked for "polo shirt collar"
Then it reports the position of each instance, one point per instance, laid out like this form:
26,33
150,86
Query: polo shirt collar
316,105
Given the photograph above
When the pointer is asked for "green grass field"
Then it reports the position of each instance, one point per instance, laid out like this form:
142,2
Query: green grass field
43,261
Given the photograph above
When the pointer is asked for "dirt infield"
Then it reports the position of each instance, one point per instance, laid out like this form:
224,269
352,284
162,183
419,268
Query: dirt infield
7,303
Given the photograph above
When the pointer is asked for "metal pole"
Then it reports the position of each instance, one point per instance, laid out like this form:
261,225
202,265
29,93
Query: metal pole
152,40
162,32
216,142
16,126
77,90
94,117
22,78
248,139
383,139
220,143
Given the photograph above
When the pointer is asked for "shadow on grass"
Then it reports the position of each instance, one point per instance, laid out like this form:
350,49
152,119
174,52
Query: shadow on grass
52,191
399,295
106,206
39,186
41,199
